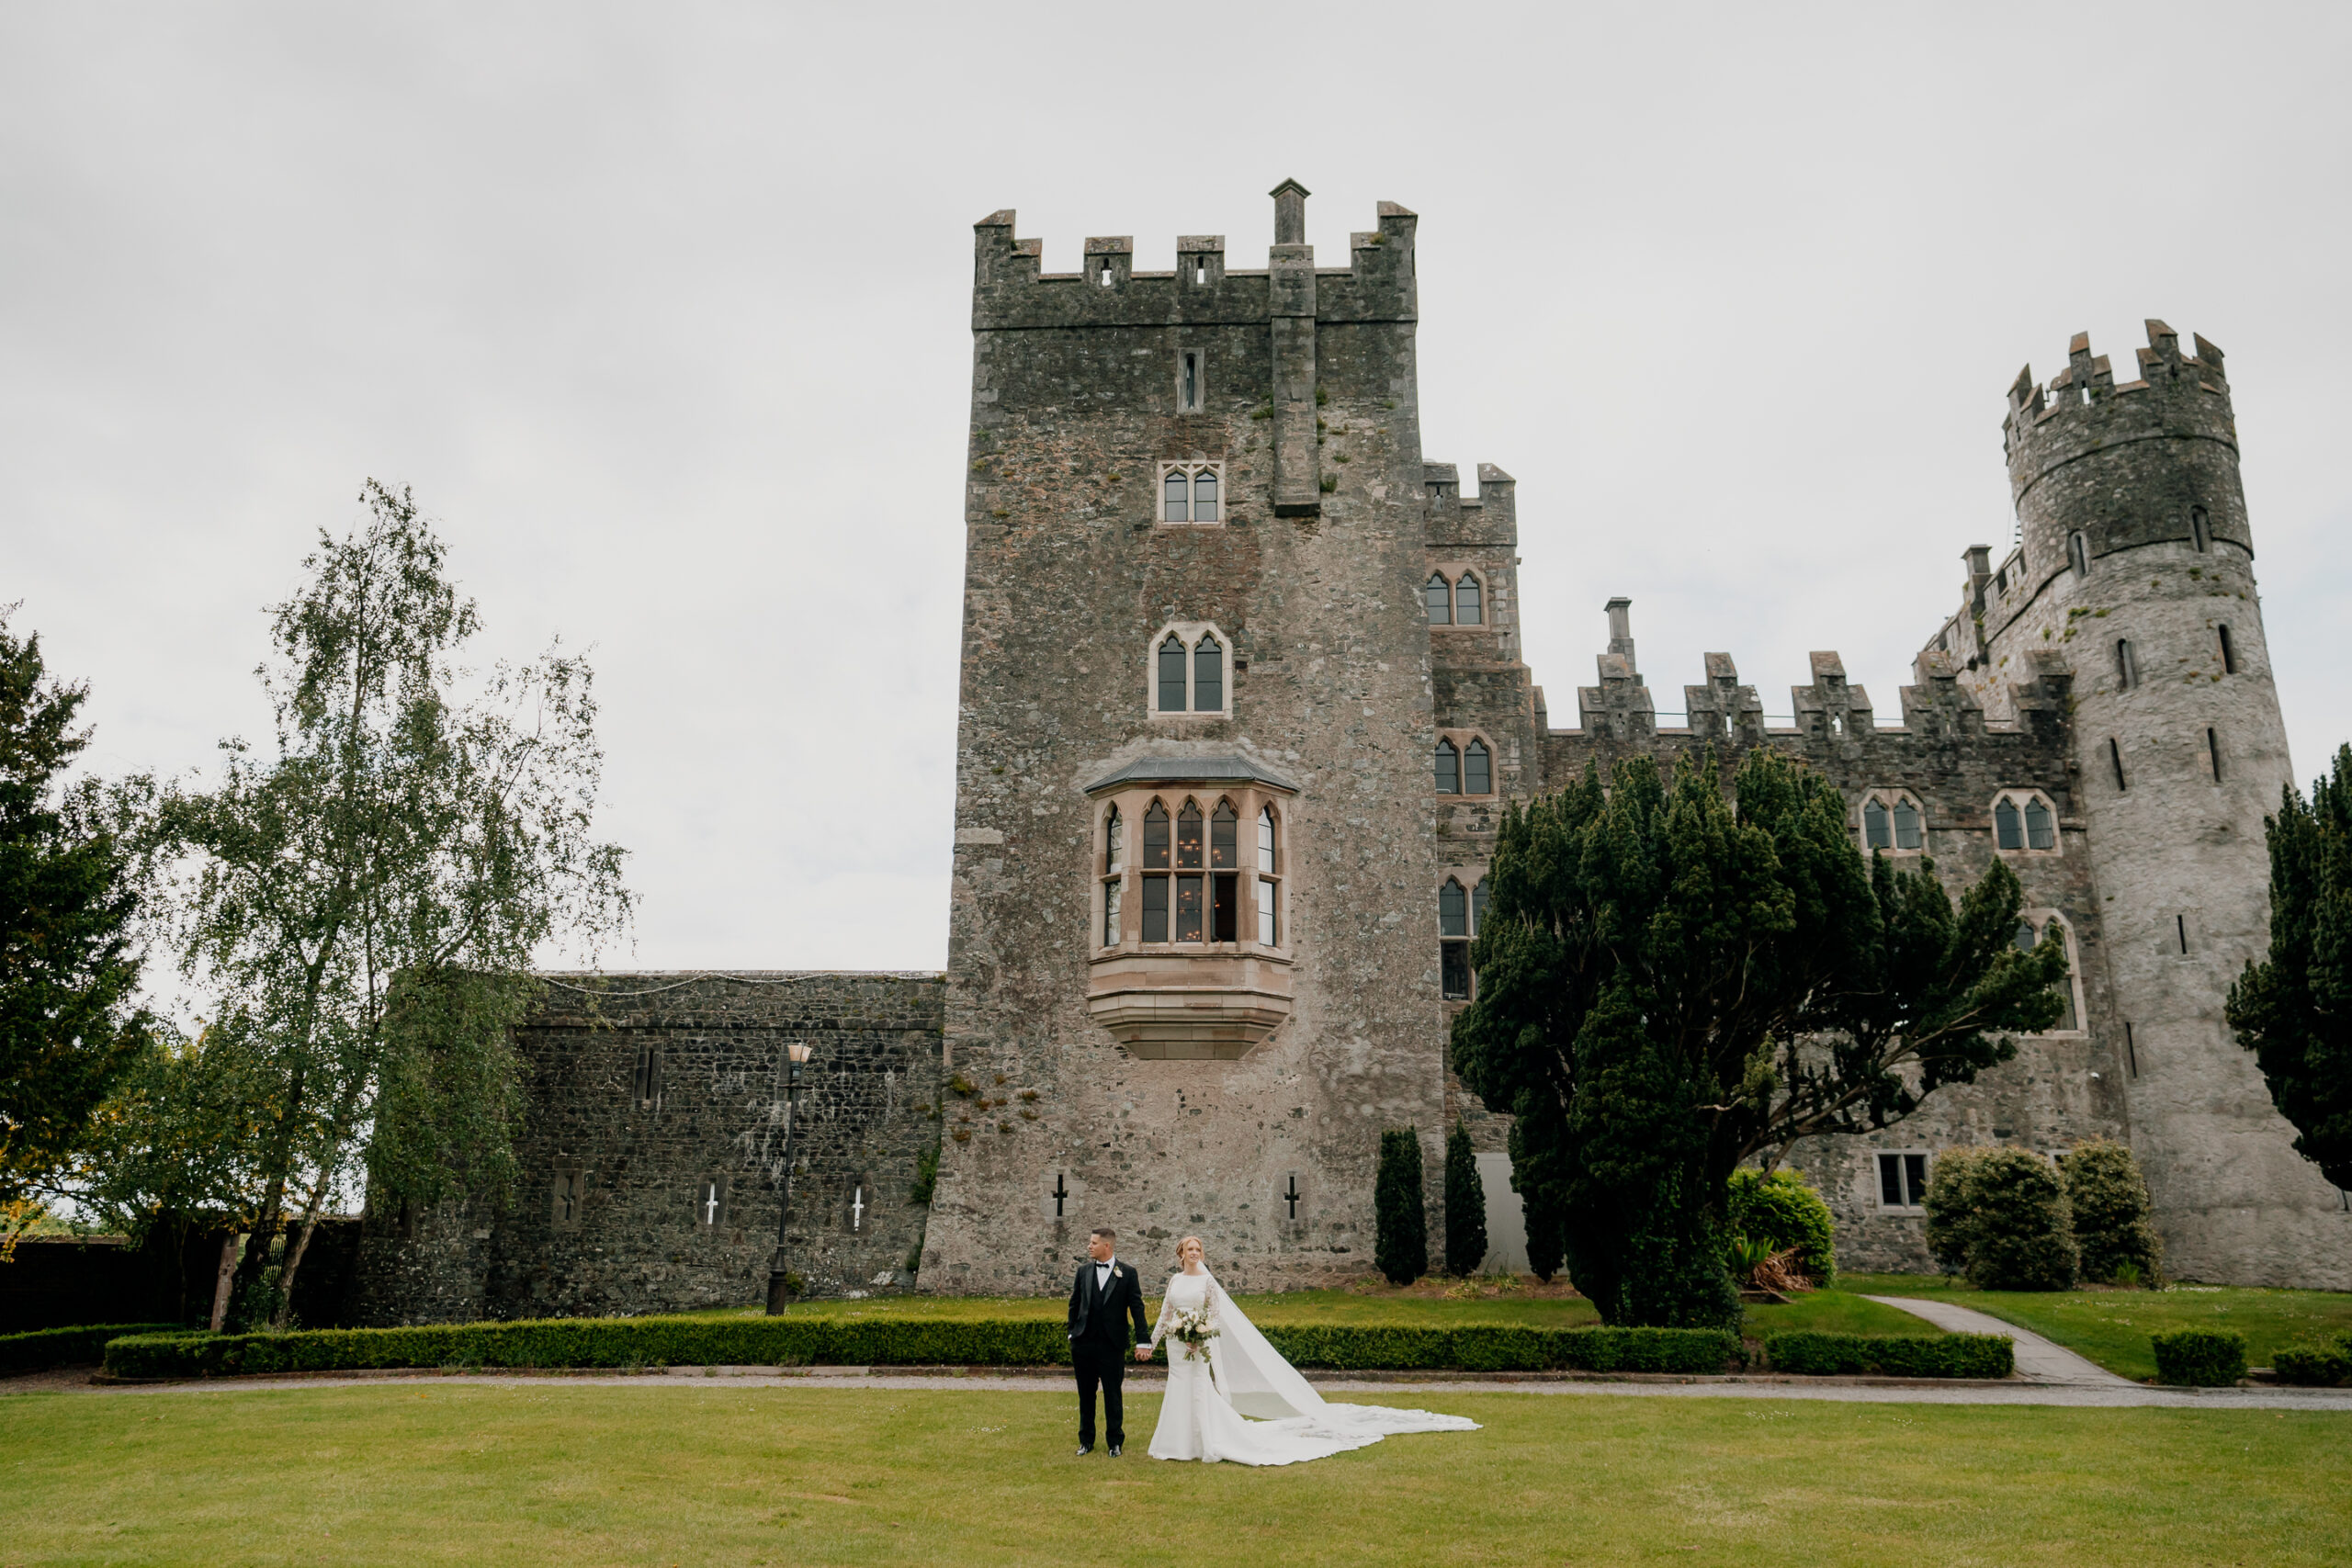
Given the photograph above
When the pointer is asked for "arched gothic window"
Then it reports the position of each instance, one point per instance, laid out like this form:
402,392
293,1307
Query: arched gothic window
1478,768
1189,891
1437,594
1171,674
1224,873
1469,602
1270,896
1188,492
1189,671
1892,820
1155,859
1208,675
2024,819
1449,768
1454,941
2032,932
1115,879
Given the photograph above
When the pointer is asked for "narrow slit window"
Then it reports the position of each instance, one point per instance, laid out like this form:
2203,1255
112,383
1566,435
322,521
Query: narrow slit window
2115,760
1877,831
1439,597
2200,530
2079,554
1208,676
2180,930
1171,674
1200,272
1906,826
2229,653
1449,768
1478,768
1469,602
2007,831
2127,665
1268,888
1175,498
2213,753
2038,830
1188,381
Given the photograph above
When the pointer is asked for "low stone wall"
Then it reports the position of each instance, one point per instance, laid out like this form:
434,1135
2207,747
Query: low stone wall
653,1145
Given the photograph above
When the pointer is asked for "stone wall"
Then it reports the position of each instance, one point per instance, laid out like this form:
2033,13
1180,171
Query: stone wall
658,1193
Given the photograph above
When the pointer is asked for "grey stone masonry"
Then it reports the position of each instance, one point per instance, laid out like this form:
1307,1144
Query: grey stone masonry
653,1141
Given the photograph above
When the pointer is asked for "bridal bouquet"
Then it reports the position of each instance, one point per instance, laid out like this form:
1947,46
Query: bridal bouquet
1193,1331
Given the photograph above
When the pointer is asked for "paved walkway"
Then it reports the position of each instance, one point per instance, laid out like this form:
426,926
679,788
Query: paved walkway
2113,1392
2039,1360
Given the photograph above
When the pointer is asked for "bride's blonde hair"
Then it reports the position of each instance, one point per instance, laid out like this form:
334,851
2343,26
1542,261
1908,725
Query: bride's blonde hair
1184,1242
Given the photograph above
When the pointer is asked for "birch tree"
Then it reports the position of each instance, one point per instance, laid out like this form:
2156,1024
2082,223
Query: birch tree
363,896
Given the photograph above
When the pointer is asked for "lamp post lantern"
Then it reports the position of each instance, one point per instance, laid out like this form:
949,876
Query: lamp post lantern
777,1292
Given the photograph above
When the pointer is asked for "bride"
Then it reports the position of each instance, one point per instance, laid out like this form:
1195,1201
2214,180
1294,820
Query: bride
1210,1397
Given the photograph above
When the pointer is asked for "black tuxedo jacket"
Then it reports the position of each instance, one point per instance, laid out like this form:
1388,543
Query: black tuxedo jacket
1096,1314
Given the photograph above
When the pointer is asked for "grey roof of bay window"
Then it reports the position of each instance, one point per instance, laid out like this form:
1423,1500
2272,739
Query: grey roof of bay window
1226,768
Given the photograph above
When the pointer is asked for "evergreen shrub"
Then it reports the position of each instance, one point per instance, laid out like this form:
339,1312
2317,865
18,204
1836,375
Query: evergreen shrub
2325,1364
2199,1358
42,1348
2116,1239
554,1343
1782,1210
1893,1355
2000,1217
1465,1205
1401,1241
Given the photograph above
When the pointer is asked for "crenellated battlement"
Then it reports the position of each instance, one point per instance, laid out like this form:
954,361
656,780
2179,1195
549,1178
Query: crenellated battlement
1488,518
2082,406
1011,290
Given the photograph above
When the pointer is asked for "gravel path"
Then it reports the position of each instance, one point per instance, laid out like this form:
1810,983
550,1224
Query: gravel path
2039,1360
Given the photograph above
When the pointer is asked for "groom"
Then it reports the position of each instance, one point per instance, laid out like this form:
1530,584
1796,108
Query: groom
1104,1294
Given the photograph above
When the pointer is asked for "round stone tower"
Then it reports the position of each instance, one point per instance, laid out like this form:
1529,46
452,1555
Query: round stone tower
2137,562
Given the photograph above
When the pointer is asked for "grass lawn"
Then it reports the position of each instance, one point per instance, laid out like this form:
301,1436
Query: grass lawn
1837,1311
582,1475
2111,1328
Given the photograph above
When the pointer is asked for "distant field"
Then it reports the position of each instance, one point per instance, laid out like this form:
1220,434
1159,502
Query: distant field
578,1476
2111,1328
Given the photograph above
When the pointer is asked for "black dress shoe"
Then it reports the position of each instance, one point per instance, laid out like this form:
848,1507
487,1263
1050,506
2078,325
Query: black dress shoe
1115,1450
1085,1449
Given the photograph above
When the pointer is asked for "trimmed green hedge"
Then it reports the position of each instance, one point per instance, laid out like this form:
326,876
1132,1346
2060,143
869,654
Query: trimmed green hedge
1894,1355
2199,1358
774,1341
2325,1365
45,1348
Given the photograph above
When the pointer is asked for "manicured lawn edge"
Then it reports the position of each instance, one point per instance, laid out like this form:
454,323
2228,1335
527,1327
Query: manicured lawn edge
39,1349
1894,1356
788,1341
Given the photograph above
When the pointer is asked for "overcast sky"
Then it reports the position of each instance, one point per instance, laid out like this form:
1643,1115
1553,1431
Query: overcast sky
664,313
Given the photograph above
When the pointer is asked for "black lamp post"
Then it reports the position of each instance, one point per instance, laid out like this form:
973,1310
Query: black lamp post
777,1292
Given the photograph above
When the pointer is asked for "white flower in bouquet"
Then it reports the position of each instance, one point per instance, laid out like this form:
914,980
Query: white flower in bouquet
1193,1331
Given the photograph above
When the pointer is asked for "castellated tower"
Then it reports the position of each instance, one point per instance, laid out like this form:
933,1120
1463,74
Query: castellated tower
1193,956
2136,561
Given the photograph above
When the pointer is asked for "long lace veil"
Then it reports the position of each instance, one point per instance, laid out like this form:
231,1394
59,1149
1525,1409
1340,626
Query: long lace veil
1257,1380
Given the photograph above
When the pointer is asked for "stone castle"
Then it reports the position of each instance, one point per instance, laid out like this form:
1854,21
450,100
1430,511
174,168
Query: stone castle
1242,702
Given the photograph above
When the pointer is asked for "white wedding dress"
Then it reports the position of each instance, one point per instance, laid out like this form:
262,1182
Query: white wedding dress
1205,1414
